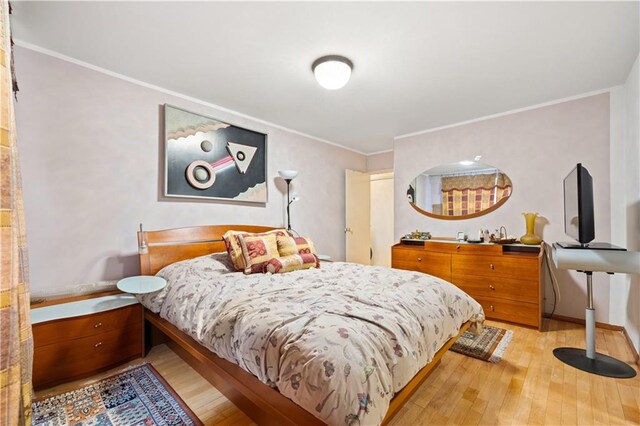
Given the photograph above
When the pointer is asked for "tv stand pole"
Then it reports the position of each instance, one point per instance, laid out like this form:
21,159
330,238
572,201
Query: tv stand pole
589,360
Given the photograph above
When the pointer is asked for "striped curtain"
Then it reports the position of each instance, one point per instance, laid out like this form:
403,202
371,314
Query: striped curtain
16,343
468,194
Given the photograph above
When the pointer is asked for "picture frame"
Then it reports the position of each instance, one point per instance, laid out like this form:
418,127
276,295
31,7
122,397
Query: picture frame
209,159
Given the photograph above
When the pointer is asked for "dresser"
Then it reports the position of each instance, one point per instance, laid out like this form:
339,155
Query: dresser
504,279
76,339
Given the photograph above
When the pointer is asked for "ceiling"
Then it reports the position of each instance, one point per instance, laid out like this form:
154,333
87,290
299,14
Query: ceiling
416,65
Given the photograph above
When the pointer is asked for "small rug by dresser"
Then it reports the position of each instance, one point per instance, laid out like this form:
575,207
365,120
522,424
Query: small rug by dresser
488,345
138,396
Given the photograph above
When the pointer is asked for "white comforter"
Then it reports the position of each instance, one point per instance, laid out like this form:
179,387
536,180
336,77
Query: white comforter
339,341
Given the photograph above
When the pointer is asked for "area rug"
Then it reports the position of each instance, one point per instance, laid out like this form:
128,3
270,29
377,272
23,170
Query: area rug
488,345
138,396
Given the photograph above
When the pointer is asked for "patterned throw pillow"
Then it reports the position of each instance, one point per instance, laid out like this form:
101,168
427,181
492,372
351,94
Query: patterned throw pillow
288,246
234,250
257,250
294,262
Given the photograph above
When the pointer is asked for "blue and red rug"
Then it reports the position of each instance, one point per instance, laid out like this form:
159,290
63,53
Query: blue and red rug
139,396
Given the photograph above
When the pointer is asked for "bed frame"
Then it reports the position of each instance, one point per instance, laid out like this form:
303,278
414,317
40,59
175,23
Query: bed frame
264,405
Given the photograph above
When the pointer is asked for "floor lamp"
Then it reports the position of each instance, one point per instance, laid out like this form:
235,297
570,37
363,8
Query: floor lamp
288,176
590,261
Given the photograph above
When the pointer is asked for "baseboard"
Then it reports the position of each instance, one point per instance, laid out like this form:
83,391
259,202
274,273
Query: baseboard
636,356
581,321
606,326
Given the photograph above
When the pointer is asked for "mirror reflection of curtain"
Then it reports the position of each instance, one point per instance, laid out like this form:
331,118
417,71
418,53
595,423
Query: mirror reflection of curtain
16,355
468,194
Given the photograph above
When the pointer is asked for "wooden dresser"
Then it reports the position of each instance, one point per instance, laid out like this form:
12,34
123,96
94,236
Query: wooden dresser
79,338
505,280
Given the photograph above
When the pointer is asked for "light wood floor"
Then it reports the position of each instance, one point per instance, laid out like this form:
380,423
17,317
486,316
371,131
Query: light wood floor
528,387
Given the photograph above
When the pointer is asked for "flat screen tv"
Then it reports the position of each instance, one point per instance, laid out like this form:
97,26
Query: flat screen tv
578,205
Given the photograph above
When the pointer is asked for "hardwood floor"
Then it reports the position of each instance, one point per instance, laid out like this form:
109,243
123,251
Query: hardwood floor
529,385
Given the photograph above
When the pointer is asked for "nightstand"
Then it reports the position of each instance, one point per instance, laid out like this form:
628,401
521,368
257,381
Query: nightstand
78,338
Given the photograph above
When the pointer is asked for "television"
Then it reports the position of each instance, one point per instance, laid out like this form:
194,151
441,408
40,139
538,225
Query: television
578,205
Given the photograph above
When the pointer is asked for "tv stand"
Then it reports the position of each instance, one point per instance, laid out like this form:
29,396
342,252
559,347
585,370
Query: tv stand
590,246
589,261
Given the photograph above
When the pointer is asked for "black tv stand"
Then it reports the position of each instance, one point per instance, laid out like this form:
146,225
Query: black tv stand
590,246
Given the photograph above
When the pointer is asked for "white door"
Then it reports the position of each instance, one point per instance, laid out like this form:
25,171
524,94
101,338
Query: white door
357,205
381,219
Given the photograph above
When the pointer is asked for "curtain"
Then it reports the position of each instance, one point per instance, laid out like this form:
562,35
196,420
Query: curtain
16,342
468,194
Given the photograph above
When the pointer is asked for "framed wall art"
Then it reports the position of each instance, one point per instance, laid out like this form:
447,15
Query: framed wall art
209,159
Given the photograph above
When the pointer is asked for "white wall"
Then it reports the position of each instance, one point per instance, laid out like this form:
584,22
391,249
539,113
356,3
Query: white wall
382,161
537,149
625,199
90,146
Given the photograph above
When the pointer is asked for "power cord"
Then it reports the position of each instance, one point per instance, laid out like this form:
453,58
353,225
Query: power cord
554,282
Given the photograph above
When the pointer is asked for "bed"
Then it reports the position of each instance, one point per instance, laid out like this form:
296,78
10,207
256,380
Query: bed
343,344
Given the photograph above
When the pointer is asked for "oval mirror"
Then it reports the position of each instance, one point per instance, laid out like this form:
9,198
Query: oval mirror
459,190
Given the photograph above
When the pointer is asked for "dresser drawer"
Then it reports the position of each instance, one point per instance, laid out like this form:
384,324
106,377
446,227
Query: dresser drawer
525,268
509,310
511,288
436,264
69,359
455,247
87,325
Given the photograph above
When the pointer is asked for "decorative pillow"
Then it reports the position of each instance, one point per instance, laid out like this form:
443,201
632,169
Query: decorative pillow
288,245
257,250
294,262
232,243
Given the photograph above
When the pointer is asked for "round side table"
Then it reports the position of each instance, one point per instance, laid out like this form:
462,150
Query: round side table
141,284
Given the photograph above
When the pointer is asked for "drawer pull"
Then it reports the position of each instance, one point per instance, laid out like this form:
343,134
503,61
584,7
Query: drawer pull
491,266
419,259
491,307
97,345
97,325
491,287
458,248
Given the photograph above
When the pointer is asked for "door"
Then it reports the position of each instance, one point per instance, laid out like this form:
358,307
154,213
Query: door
381,219
357,222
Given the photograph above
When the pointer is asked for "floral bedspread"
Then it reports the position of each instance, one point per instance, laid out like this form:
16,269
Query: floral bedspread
339,341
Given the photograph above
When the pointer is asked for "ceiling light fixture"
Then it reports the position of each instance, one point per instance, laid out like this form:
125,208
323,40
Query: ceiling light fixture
466,162
332,72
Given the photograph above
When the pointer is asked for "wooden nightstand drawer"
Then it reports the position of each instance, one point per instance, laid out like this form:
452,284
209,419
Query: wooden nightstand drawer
509,310
510,288
87,325
70,359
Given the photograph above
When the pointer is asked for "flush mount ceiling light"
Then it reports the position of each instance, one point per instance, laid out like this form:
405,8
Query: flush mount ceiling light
332,72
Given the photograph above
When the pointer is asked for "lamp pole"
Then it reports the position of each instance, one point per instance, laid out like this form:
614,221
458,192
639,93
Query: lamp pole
288,205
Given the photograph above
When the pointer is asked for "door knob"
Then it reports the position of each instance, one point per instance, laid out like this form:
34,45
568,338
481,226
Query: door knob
348,230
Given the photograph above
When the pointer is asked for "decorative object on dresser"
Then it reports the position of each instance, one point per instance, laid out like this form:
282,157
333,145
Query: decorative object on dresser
137,396
504,279
77,338
530,237
416,237
459,190
288,176
204,159
487,345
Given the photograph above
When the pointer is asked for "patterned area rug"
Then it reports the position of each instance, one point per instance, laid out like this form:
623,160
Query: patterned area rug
488,345
139,396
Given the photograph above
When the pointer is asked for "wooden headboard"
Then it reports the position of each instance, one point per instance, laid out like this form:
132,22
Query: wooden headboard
168,246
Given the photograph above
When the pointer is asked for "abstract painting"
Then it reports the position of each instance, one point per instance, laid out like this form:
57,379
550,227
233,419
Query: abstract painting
210,159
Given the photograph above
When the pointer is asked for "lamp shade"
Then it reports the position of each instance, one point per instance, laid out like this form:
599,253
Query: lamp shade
288,174
332,72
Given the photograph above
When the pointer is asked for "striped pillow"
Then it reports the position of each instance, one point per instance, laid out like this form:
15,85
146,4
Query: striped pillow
257,250
288,245
294,262
232,243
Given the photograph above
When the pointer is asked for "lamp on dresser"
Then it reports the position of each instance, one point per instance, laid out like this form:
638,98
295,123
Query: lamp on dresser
288,176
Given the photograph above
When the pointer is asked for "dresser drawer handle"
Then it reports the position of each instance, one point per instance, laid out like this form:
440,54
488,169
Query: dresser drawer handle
491,266
97,325
458,248
491,287
419,259
492,308
97,345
